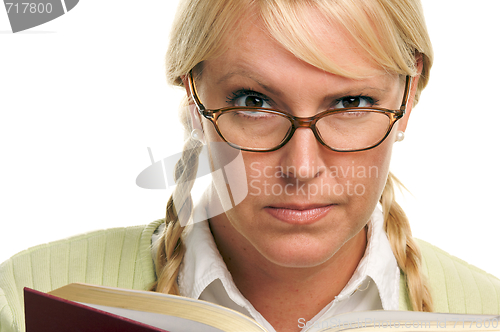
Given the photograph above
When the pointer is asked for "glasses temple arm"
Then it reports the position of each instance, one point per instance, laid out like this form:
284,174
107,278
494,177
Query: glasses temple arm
406,96
194,94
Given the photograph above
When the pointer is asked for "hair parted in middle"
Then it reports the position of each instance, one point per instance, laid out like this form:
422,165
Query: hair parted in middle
393,35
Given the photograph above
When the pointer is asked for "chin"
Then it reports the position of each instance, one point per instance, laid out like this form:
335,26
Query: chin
300,252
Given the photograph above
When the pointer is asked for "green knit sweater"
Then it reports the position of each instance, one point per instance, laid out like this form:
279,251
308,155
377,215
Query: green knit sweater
121,257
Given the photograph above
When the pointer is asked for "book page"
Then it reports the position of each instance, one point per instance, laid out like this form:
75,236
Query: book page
406,321
166,322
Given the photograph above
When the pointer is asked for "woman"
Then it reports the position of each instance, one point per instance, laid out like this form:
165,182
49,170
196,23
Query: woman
308,241
300,59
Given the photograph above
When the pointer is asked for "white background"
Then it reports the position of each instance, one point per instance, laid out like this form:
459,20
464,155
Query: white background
83,96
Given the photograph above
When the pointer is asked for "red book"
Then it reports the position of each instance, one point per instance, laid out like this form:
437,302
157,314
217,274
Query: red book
83,308
48,313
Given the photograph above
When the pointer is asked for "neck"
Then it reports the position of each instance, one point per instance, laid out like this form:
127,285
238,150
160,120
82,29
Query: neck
280,293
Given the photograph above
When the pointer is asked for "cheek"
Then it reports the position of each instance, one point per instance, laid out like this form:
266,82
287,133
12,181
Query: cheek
228,170
262,178
370,174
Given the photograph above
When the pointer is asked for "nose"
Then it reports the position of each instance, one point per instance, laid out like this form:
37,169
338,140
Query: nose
302,156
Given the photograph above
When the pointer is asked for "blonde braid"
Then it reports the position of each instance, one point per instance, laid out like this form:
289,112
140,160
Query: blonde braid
405,248
171,249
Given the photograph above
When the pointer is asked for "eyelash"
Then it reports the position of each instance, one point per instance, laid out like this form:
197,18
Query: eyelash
246,92
249,92
371,100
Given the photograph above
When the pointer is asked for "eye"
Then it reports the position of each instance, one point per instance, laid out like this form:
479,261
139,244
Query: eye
355,102
251,101
246,98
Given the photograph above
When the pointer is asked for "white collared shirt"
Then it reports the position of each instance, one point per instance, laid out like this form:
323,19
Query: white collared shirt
373,286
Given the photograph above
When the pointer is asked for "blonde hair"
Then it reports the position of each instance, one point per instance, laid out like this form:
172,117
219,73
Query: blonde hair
200,31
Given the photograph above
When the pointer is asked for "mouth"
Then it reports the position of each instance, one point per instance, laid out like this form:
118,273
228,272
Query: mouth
297,214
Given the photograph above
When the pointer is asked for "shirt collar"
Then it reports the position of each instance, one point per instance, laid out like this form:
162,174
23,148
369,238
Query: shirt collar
202,263
378,263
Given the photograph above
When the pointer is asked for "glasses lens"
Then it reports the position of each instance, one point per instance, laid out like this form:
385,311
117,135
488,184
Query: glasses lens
353,130
253,129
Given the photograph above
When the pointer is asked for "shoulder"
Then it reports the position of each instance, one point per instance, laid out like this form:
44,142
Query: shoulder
118,257
457,286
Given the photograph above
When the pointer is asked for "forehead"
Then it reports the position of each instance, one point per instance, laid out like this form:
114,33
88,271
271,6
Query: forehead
253,46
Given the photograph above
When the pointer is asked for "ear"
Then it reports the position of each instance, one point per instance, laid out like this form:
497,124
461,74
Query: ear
193,110
413,90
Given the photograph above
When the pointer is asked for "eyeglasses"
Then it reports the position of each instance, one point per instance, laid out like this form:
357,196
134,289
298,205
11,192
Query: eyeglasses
264,130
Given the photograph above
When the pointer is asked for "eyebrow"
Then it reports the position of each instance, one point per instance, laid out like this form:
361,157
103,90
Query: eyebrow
247,74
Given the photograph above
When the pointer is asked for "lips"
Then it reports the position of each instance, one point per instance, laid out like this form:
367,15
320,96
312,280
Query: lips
299,214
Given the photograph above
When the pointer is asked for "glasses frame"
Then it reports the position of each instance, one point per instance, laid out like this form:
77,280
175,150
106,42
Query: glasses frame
299,122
